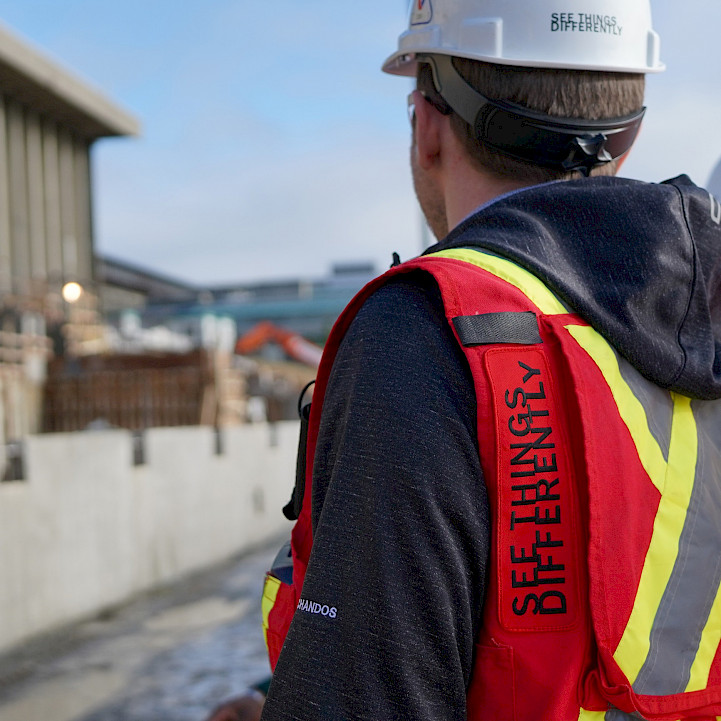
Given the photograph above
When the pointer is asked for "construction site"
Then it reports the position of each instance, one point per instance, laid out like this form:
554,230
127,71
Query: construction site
94,342
149,420
148,427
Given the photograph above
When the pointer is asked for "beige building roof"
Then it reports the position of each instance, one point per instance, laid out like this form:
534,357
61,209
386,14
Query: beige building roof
32,78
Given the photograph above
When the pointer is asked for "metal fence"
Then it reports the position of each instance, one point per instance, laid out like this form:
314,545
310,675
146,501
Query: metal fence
133,392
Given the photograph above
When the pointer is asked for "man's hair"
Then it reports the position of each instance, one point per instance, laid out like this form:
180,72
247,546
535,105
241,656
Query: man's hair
585,94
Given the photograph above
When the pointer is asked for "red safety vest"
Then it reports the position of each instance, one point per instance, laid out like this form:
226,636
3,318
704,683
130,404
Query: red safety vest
605,495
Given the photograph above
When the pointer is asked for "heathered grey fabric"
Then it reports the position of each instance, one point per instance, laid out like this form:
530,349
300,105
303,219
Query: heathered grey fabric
401,529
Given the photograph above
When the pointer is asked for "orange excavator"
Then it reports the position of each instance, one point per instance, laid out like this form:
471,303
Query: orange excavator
294,345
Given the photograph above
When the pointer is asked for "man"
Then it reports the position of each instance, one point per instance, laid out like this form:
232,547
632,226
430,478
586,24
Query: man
514,471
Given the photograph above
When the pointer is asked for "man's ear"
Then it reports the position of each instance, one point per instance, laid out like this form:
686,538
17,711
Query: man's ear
427,132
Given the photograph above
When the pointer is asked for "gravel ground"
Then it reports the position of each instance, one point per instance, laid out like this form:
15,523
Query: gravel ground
169,656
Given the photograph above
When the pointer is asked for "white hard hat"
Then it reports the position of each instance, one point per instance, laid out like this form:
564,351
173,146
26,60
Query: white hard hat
607,35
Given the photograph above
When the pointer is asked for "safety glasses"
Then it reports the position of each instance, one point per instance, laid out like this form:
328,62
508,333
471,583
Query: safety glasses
438,104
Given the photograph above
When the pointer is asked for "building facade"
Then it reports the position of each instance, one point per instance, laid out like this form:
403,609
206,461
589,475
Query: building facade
49,120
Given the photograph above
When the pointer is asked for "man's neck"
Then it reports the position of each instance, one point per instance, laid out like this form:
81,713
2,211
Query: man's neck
467,189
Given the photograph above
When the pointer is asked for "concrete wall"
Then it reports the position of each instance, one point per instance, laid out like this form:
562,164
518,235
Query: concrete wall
88,529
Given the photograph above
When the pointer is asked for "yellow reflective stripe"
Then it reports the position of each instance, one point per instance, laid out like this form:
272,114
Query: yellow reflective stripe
591,715
710,640
270,593
629,407
506,270
674,480
663,549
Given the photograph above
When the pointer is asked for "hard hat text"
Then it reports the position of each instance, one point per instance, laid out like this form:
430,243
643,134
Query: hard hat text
585,23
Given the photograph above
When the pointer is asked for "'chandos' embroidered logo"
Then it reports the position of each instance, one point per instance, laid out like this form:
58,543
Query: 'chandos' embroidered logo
317,609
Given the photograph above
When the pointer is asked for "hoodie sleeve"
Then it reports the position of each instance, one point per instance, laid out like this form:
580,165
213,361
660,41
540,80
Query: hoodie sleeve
400,519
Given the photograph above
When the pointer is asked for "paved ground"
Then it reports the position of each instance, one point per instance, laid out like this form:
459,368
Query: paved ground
169,656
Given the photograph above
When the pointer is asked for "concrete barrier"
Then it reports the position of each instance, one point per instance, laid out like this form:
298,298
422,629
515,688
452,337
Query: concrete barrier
88,529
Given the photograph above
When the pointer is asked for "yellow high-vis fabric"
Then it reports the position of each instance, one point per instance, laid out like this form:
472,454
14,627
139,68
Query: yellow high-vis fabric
591,715
522,279
674,478
630,408
710,641
270,594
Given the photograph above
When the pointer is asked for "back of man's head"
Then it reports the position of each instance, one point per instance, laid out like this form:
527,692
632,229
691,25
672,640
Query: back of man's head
534,94
586,94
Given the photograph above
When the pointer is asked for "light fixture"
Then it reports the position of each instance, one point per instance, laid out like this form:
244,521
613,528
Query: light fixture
72,292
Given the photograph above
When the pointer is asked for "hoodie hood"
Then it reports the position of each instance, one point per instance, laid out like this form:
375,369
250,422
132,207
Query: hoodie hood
640,262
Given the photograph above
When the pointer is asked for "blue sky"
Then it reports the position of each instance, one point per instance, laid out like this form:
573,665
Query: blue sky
273,146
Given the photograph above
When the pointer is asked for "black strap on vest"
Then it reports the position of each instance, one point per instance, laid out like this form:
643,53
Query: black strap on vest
293,508
489,328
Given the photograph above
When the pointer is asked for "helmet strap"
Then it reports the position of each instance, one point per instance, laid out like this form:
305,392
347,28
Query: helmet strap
564,144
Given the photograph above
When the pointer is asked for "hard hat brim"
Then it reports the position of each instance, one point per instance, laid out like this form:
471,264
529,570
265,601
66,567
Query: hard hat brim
404,63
